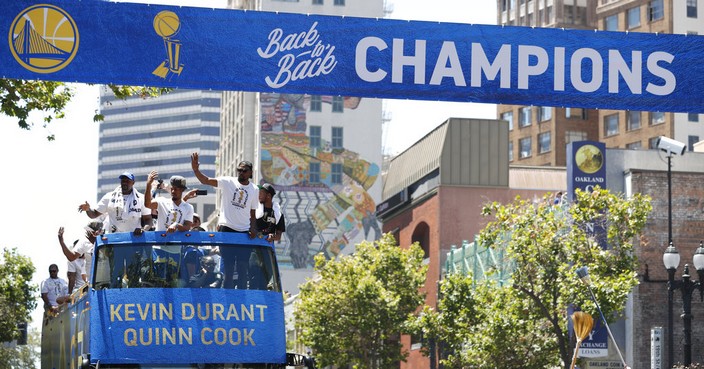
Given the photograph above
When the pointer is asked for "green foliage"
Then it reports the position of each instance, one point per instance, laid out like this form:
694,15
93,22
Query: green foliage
22,357
354,312
524,324
20,98
17,293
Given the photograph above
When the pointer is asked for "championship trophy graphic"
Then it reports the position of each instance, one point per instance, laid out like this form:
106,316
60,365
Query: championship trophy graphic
167,25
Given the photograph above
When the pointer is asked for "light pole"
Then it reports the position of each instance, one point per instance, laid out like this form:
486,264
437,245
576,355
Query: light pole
670,147
671,259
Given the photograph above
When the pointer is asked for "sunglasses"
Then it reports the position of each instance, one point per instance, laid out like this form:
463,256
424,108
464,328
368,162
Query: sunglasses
243,170
53,271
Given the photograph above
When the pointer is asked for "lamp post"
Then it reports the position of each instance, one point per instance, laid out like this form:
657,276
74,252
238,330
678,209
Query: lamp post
671,259
670,147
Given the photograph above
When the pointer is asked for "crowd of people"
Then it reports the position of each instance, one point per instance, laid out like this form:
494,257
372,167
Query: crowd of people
244,208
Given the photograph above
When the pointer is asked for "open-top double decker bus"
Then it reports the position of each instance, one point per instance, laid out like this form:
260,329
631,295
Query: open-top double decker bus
140,311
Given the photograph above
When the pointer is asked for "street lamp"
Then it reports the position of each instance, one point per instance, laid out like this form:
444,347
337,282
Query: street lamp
671,259
670,147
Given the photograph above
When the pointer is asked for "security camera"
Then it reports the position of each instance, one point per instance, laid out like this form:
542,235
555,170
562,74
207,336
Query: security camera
670,146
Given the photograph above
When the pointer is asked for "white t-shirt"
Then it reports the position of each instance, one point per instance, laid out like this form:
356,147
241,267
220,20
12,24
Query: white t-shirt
237,202
85,248
124,212
54,288
77,266
170,213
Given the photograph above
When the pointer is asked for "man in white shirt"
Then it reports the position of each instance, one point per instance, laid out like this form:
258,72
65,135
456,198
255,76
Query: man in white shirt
124,207
81,253
239,200
54,289
173,214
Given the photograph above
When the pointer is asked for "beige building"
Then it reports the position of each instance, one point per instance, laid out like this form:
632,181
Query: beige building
538,134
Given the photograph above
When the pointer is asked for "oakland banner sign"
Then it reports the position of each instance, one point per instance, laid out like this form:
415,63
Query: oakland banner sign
224,49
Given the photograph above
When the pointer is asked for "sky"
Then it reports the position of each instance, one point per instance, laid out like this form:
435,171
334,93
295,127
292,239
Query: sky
46,181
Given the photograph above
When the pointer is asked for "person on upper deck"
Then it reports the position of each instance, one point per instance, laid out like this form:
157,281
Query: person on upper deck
173,214
124,207
237,214
270,219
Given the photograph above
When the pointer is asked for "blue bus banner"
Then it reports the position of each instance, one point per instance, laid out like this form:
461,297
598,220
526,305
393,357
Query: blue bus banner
225,49
171,326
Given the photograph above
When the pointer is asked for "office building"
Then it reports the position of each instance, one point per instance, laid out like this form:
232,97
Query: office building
139,135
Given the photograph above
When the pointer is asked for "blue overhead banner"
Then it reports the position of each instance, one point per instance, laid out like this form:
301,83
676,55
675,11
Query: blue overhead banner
139,44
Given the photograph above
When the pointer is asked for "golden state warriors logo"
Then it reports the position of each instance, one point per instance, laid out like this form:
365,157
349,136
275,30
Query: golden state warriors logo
589,159
167,25
43,38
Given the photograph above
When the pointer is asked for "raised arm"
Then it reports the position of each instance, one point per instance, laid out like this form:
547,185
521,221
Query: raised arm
70,255
195,165
91,213
148,191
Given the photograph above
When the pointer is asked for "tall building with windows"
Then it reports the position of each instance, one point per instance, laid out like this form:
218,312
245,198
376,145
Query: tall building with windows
322,153
144,134
640,129
538,135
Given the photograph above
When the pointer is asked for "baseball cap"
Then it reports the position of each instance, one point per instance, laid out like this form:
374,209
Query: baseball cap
246,164
195,215
178,181
268,188
127,175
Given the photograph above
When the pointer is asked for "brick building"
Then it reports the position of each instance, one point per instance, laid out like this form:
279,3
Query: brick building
631,171
434,192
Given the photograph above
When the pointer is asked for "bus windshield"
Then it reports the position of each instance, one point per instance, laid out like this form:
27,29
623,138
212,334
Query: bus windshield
146,265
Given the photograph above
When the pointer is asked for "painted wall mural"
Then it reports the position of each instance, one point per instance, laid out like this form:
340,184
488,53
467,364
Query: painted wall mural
328,208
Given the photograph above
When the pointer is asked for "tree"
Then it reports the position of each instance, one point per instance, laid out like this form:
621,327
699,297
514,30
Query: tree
17,293
355,311
524,323
22,357
549,243
20,98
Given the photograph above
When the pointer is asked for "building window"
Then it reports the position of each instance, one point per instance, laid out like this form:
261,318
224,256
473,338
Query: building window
524,147
611,125
524,116
656,10
544,142
633,17
657,118
544,113
634,145
316,103
691,8
693,117
548,15
653,143
510,151
611,23
575,136
508,116
314,173
576,113
336,176
691,140
337,104
337,141
314,136
317,2
633,120
339,2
